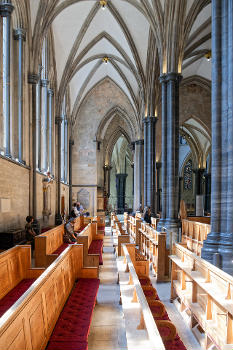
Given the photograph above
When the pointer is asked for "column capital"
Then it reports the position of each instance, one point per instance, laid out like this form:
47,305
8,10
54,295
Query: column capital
177,77
139,142
44,82
145,120
152,119
158,165
19,33
6,9
71,142
50,92
58,120
33,78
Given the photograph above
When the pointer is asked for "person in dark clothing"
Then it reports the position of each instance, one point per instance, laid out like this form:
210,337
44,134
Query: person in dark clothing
30,233
147,215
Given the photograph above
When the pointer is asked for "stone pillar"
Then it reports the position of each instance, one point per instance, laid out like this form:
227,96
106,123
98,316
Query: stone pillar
170,152
44,124
71,144
220,240
5,12
138,174
207,192
108,169
145,122
58,218
50,118
151,164
66,151
158,188
164,200
20,36
33,79
38,123
199,198
120,186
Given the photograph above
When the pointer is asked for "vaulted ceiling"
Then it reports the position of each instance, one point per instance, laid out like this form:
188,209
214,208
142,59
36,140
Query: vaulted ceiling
127,33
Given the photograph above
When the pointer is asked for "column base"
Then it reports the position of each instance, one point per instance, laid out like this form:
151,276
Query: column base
210,247
160,225
58,219
172,225
225,249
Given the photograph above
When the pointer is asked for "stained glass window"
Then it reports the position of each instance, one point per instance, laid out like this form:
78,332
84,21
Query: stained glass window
188,179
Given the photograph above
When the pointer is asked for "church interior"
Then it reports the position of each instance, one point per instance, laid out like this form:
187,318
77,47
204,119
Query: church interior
116,169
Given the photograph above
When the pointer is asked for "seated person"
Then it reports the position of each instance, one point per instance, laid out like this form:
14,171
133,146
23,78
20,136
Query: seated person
147,215
74,211
70,235
30,233
80,208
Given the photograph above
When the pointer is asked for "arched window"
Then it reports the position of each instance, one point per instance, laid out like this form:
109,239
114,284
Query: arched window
188,175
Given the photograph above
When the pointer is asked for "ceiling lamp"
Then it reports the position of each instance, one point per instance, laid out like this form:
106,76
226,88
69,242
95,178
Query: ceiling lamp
103,4
208,56
105,60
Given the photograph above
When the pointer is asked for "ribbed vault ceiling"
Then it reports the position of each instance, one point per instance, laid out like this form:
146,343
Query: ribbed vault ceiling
124,32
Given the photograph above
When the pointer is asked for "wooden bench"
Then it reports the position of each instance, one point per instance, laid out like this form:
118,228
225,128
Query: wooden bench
92,245
30,322
140,264
126,221
152,244
134,226
204,295
153,316
194,233
16,275
100,220
122,237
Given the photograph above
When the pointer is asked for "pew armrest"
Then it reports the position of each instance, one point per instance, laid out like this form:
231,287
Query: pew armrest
34,272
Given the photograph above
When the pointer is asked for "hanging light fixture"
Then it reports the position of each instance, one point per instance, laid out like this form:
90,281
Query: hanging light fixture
103,4
105,60
208,55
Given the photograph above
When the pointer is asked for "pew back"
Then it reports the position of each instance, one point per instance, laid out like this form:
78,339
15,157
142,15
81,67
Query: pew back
15,265
194,233
29,324
205,293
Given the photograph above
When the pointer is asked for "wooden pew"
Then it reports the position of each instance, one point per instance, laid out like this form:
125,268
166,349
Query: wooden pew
194,233
126,221
15,269
122,237
100,220
152,244
29,324
134,226
204,295
146,319
87,238
140,264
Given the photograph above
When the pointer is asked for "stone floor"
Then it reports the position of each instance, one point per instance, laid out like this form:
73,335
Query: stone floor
113,329
108,326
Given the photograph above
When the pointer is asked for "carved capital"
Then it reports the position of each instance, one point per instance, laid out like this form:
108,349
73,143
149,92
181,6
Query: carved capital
50,92
58,120
20,33
33,78
44,82
171,76
6,9
139,142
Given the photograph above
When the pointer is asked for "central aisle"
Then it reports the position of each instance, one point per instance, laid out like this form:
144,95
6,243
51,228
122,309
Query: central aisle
108,327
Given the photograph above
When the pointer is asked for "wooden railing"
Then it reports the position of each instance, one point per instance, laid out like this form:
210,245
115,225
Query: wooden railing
146,315
194,233
204,295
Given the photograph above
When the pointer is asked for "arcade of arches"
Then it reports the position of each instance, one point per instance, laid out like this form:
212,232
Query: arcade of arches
118,104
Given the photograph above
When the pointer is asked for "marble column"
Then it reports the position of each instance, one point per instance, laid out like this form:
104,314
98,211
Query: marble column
44,124
151,164
58,218
207,192
5,12
158,188
50,126
170,152
20,36
33,80
71,144
220,240
164,200
138,174
145,122
120,186
66,151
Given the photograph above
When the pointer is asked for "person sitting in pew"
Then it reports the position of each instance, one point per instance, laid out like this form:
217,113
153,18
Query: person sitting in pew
74,211
80,208
69,234
30,233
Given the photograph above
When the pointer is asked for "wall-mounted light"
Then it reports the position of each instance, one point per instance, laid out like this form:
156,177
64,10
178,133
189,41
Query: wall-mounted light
208,56
105,60
103,4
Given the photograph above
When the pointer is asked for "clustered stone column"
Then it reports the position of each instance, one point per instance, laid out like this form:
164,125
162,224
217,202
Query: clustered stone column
33,80
6,10
50,134
44,124
20,36
120,186
138,173
218,247
58,218
150,163
170,152
71,144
